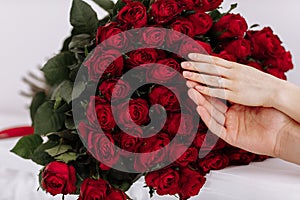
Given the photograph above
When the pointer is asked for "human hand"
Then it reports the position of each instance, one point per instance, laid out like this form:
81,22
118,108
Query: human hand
255,129
235,82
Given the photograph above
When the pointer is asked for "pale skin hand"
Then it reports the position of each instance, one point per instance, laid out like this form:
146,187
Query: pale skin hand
258,130
242,84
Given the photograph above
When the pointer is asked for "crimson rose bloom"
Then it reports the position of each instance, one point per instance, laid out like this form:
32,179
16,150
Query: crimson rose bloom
104,32
174,120
265,43
161,74
153,36
99,112
239,48
196,47
130,140
164,181
165,97
134,14
189,4
110,86
208,5
201,21
164,11
59,178
141,56
116,195
277,73
230,26
183,25
137,111
100,145
256,65
188,156
93,189
213,161
239,157
191,182
103,62
144,162
283,62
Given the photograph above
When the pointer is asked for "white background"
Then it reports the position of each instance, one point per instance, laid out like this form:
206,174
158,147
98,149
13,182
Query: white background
32,31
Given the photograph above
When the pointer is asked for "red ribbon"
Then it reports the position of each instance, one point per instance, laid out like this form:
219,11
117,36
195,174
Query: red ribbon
16,132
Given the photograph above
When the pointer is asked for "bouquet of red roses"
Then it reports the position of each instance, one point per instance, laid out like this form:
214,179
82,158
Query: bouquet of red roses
116,105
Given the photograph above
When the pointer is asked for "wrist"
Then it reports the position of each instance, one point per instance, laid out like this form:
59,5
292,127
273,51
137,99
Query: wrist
278,96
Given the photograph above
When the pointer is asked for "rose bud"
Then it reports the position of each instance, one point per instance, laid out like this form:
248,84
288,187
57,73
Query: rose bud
134,14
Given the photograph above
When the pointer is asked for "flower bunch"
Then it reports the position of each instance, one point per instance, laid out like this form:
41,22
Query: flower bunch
117,108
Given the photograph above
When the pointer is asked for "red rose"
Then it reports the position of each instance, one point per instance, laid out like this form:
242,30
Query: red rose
208,5
239,48
103,62
99,112
165,97
191,182
187,47
230,26
130,139
104,32
277,73
141,56
93,189
207,142
153,36
110,86
101,146
283,62
265,43
134,14
239,157
189,4
137,111
227,56
176,119
256,65
213,161
59,178
116,195
201,21
158,73
183,25
143,162
164,11
164,181
188,156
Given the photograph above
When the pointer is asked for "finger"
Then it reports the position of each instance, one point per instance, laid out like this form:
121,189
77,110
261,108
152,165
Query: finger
217,103
191,84
211,123
201,101
214,81
214,92
205,68
211,59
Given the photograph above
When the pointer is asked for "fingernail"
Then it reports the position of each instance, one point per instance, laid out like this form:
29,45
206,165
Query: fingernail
187,74
192,55
185,64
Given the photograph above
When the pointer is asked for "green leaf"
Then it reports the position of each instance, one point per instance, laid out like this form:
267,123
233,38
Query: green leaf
232,7
46,120
65,91
254,26
105,4
215,15
37,100
66,157
58,150
26,146
40,156
56,69
66,43
83,18
78,89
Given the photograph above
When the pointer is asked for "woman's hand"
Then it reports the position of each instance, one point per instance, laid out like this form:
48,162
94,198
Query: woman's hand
241,84
232,81
255,129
